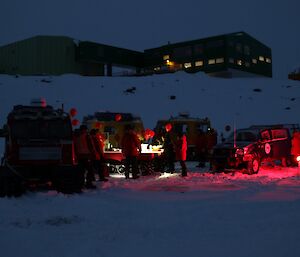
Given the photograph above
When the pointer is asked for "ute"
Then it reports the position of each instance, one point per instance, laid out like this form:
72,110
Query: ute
38,150
248,148
194,128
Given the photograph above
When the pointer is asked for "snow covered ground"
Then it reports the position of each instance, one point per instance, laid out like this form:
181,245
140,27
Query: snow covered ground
205,214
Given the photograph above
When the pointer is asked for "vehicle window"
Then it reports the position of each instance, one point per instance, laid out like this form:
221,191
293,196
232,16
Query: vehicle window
110,130
279,133
265,135
203,127
247,136
41,129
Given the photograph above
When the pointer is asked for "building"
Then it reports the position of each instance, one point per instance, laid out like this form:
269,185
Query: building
229,55
45,55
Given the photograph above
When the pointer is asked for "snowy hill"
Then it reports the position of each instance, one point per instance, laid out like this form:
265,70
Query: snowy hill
204,214
246,101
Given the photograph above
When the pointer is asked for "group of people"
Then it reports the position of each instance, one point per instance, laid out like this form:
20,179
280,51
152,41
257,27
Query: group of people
89,149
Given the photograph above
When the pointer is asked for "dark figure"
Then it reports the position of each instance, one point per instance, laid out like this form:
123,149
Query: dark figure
181,148
84,151
169,153
201,148
131,147
98,160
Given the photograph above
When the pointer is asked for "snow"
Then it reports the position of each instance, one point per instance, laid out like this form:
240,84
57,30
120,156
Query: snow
204,214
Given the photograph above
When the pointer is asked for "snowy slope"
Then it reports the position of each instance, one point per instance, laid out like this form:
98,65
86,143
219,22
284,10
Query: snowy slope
166,216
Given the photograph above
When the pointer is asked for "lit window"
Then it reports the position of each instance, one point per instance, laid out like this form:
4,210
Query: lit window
220,60
261,58
166,57
211,61
231,60
239,62
198,63
247,64
187,65
254,61
268,60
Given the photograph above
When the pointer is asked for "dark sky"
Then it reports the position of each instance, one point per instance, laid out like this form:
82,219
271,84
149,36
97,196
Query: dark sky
138,24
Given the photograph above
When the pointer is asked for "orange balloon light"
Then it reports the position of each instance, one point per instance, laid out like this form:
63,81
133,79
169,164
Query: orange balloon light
73,112
75,122
118,117
168,127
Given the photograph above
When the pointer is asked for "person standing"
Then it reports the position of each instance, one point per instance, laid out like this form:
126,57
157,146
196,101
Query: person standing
98,160
131,147
169,153
181,149
84,151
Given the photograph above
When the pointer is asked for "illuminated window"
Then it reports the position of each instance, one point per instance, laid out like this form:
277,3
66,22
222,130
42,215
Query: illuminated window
211,61
198,63
268,60
239,62
187,65
166,57
254,61
231,60
261,58
247,64
220,60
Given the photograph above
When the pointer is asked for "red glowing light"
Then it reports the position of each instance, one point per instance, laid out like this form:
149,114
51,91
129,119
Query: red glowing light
98,125
75,122
73,112
168,127
118,117
148,134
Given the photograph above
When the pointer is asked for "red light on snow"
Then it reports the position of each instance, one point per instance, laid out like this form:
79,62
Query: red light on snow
168,127
73,112
75,122
118,117
298,158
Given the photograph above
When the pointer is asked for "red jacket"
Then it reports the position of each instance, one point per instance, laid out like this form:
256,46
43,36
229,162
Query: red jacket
84,146
181,148
130,144
296,144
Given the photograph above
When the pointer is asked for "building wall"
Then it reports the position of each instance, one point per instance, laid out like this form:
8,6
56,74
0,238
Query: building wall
41,55
247,54
217,56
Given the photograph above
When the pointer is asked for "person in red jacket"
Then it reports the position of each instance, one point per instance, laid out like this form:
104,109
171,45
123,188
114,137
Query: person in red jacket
85,153
131,147
180,149
295,150
98,160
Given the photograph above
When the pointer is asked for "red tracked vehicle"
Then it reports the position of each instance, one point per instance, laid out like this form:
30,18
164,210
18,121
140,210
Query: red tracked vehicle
38,150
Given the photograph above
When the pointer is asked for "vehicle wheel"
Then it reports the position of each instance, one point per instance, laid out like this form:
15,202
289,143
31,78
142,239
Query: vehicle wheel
253,166
215,167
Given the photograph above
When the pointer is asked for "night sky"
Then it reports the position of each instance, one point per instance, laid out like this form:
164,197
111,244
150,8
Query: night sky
138,24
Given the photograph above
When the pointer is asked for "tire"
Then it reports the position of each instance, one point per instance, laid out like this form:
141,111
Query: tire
253,166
